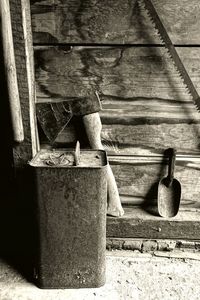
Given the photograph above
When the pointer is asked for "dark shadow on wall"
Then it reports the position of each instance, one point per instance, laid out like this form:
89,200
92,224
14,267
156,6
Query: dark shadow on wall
17,211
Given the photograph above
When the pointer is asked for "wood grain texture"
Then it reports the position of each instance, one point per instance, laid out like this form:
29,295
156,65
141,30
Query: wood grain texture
144,139
29,57
146,107
138,176
113,21
20,48
137,179
11,73
139,224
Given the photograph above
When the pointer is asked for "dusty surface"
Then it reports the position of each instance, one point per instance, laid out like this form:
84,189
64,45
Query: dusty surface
130,275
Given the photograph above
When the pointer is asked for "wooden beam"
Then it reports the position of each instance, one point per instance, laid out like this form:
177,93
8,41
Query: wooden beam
29,55
10,71
20,15
137,223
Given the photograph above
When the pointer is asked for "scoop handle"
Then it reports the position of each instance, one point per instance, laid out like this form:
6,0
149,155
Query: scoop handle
171,166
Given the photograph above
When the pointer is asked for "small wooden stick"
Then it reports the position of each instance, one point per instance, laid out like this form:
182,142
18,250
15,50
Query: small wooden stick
10,68
77,154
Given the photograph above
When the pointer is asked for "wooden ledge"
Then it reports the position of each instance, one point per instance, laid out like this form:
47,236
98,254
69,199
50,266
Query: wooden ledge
138,223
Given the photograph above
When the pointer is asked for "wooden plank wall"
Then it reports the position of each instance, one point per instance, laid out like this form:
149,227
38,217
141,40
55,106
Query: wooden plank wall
112,22
146,107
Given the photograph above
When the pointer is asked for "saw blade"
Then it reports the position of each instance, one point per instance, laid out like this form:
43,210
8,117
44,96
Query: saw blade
162,32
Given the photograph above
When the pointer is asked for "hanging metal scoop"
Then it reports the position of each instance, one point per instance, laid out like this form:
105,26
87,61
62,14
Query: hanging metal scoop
169,190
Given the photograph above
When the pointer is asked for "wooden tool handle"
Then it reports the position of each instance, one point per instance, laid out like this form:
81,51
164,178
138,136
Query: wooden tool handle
77,154
171,167
93,128
10,68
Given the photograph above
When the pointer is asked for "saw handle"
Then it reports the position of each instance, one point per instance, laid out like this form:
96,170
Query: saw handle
10,69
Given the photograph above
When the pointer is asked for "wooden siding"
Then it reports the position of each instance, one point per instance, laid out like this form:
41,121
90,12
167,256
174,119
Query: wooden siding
146,107
112,22
138,176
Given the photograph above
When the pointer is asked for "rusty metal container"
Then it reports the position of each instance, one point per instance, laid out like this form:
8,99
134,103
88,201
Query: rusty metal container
71,214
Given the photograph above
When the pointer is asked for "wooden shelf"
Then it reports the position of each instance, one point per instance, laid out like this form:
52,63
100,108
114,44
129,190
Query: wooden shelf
138,223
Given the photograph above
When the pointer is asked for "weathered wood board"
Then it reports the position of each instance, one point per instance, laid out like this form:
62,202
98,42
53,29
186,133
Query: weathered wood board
142,139
20,57
112,22
22,38
138,176
146,107
138,223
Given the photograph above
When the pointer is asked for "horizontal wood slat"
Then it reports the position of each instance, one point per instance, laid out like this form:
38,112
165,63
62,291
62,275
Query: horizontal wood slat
146,107
113,21
144,139
138,223
138,176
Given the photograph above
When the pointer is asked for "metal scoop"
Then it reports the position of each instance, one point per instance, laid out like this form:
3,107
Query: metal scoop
169,190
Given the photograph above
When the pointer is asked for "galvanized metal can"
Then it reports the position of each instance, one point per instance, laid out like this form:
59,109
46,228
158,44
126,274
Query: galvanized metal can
71,214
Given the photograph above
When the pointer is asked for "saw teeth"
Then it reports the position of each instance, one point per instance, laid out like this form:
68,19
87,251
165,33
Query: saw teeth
143,6
197,107
182,78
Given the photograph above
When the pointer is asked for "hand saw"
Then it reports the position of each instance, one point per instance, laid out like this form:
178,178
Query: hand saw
155,19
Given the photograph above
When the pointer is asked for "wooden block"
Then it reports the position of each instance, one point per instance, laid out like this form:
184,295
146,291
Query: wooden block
112,22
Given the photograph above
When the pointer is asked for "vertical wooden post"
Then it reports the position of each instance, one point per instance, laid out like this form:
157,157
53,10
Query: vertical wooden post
10,71
23,48
17,209
28,44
